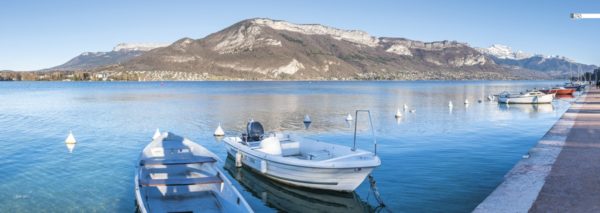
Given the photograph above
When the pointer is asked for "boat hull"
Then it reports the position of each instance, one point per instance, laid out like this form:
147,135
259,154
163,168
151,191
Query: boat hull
336,179
559,91
175,174
286,198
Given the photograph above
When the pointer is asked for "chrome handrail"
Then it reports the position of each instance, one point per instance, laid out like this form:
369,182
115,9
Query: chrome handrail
372,130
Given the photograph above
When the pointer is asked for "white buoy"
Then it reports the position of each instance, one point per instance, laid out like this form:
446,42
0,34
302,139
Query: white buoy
450,104
219,131
70,138
466,101
156,134
349,117
405,107
398,113
307,119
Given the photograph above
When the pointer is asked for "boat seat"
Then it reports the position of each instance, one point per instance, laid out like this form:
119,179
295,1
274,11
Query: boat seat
162,161
180,181
290,148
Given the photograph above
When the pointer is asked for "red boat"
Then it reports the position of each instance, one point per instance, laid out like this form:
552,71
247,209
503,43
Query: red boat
558,91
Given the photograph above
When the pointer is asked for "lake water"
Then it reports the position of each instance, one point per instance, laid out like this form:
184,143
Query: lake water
433,160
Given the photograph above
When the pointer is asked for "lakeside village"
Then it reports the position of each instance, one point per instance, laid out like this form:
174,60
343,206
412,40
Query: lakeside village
102,76
175,76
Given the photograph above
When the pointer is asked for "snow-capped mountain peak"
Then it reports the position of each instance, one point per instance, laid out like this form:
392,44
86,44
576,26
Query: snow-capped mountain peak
138,46
504,52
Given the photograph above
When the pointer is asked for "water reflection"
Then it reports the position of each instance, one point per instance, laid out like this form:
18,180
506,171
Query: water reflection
399,120
292,199
218,139
70,147
307,125
565,96
527,108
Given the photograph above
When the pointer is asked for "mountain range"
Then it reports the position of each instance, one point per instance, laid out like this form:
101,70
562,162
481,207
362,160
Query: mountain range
120,53
555,66
262,49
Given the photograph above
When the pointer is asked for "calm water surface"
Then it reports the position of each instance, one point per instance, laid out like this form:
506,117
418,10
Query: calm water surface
434,160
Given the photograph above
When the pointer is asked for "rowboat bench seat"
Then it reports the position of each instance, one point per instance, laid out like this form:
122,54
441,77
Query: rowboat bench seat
162,161
180,181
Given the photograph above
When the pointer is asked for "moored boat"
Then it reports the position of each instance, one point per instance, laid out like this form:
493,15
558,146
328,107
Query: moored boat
558,91
287,198
531,97
300,161
578,86
174,174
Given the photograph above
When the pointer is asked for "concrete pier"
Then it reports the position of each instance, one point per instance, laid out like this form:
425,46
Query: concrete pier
562,173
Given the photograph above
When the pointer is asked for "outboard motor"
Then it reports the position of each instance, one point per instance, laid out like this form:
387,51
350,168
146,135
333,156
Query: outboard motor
255,131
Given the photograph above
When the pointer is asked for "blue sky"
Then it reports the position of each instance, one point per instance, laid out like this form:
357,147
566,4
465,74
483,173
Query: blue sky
41,34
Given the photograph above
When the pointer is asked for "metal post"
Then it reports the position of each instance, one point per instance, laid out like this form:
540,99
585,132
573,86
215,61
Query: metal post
372,130
355,126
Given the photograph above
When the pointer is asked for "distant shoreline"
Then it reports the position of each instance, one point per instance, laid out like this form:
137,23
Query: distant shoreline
178,81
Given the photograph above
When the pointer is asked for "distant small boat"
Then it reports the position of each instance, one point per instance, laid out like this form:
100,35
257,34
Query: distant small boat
575,85
174,174
300,161
532,97
559,91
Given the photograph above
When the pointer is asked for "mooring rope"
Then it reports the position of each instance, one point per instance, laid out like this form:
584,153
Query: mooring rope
373,184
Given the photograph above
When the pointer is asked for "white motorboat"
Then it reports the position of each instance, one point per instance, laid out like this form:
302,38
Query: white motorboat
303,162
531,97
175,174
287,198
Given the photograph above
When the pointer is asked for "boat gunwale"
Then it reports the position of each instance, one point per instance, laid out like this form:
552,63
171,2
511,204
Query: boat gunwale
373,163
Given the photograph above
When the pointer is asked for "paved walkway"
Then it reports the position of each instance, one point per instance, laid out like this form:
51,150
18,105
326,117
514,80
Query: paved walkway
563,172
573,184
